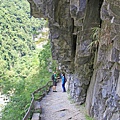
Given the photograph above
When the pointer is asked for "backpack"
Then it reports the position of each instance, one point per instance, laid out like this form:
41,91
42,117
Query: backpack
65,79
52,77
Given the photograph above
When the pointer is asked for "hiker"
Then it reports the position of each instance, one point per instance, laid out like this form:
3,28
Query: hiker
63,81
54,78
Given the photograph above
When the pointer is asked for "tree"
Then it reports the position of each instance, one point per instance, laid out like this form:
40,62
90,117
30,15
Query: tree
20,73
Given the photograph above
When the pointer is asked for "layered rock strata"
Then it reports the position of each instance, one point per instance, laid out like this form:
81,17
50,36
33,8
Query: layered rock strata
93,65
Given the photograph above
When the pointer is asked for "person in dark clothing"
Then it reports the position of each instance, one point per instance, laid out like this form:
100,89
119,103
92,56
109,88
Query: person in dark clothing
54,78
63,81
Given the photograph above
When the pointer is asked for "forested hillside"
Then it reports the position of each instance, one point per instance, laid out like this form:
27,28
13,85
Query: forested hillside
20,71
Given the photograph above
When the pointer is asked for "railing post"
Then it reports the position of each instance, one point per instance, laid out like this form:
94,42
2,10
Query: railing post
33,98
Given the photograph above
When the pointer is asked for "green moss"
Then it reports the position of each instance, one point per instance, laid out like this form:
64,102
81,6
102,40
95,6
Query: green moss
88,117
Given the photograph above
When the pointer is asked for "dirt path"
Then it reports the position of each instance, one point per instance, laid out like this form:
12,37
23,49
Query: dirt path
57,106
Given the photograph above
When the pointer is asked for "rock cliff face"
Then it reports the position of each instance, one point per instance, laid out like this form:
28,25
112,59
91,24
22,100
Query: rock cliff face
92,65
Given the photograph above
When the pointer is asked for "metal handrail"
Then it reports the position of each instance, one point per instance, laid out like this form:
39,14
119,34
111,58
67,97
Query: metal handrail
33,99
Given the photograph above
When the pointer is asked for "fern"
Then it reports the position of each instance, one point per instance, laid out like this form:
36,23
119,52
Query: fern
95,37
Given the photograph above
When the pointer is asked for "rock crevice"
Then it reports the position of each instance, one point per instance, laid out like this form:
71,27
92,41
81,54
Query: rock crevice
92,65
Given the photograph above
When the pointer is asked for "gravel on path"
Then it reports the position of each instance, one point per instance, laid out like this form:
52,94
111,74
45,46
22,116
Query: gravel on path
58,106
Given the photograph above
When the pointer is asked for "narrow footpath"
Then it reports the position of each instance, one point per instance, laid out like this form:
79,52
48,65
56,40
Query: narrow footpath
58,106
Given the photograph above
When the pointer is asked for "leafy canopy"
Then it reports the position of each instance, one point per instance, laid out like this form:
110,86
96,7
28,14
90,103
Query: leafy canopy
21,71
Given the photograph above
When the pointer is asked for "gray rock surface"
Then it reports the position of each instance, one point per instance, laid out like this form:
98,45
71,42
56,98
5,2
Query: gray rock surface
94,71
36,116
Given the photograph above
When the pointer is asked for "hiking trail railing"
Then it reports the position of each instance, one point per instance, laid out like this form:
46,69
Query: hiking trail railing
41,93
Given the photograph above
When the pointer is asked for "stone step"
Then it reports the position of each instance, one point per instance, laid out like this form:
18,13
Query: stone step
36,116
37,107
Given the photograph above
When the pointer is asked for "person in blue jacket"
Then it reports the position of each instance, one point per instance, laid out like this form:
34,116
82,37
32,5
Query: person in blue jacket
63,81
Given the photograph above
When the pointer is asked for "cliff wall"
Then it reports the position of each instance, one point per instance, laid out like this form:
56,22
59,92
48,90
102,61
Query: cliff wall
92,65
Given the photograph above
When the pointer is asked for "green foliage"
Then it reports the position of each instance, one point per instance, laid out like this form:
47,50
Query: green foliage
44,56
96,33
88,117
20,71
20,100
16,45
95,37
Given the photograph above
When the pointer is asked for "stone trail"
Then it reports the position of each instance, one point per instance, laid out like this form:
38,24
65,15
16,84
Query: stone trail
57,106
